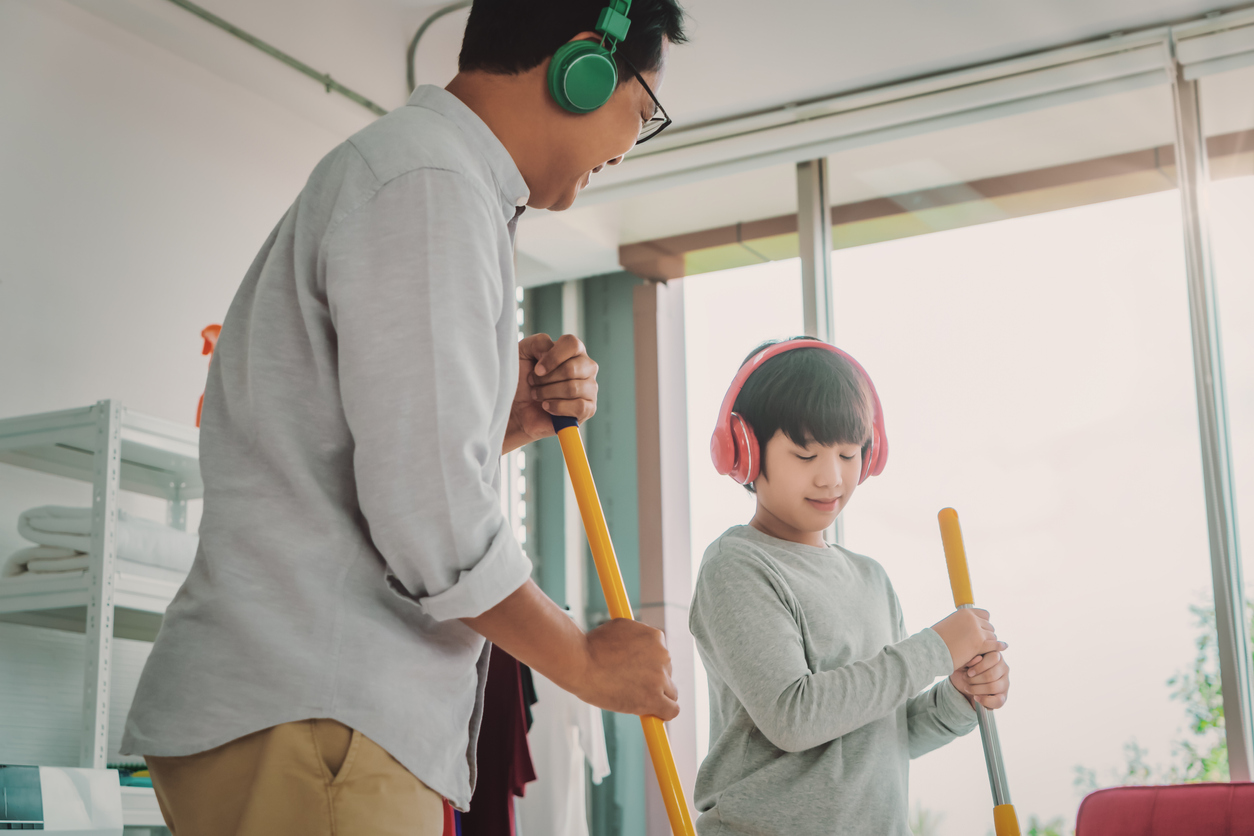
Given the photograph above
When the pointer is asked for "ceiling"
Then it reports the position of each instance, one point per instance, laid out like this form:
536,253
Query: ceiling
743,57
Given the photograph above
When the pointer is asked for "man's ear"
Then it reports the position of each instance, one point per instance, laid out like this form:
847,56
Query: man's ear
585,36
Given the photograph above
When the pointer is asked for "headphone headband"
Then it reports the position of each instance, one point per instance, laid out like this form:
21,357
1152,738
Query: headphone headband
613,23
734,446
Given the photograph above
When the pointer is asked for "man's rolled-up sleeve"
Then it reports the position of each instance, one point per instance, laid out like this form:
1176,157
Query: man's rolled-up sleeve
415,291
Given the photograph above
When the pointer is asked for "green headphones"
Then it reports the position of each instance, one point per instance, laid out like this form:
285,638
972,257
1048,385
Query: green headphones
583,74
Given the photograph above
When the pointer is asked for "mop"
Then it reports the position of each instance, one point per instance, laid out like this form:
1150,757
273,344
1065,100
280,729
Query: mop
616,598
1005,821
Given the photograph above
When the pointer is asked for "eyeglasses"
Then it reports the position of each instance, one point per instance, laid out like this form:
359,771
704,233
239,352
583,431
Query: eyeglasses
658,122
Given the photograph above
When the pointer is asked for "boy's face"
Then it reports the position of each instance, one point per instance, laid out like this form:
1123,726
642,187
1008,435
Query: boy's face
803,488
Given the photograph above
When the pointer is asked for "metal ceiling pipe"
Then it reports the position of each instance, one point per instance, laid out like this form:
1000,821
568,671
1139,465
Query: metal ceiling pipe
426,24
331,85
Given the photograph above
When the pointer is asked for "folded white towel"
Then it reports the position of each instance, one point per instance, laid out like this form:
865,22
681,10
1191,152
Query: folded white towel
8,585
45,557
140,540
56,566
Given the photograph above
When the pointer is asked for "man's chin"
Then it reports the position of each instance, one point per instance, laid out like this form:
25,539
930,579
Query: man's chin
566,200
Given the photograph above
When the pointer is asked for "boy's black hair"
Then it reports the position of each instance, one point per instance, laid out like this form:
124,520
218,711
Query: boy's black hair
810,394
513,36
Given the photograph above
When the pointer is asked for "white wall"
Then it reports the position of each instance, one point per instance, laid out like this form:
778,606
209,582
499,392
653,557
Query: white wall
135,190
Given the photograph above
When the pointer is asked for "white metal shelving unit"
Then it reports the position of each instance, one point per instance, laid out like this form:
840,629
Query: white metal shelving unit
115,450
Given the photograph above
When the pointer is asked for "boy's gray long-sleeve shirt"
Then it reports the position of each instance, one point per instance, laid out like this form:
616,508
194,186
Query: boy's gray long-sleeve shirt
350,447
815,703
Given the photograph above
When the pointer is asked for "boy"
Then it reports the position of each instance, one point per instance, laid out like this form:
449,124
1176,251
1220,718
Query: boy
815,708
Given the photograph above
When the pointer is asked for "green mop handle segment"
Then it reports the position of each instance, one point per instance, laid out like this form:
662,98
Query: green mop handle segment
1005,822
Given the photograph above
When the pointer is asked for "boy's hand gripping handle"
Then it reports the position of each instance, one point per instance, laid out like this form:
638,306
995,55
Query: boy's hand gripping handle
620,607
1004,820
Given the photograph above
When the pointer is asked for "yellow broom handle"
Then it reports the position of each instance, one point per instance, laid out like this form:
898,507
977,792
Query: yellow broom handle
956,558
620,607
1005,822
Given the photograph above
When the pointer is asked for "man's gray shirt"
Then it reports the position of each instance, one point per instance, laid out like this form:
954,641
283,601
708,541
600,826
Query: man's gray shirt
350,447
815,708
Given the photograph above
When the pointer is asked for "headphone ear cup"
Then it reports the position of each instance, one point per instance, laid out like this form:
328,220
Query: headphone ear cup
582,76
723,450
748,462
879,449
868,457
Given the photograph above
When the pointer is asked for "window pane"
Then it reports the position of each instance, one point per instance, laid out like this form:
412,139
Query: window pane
1036,375
1034,358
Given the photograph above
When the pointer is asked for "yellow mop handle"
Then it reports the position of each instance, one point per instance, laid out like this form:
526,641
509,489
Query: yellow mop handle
616,598
1005,822
956,558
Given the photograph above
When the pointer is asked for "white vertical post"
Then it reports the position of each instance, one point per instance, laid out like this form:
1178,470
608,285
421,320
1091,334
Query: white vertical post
576,560
662,494
107,462
1212,415
814,232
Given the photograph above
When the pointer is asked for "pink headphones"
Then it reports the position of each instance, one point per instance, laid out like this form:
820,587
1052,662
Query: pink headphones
734,446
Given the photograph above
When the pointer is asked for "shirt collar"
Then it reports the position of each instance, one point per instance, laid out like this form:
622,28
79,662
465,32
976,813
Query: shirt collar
509,180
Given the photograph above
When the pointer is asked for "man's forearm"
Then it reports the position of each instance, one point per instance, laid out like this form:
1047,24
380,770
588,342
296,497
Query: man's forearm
620,666
530,627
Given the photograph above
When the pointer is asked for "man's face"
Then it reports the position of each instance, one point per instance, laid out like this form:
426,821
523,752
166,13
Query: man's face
591,141
805,487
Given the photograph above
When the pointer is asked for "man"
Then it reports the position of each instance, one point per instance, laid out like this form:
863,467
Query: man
322,669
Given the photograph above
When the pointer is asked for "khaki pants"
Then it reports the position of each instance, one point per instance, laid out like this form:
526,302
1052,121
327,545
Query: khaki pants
309,778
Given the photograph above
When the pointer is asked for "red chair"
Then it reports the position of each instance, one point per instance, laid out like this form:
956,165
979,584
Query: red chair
1185,810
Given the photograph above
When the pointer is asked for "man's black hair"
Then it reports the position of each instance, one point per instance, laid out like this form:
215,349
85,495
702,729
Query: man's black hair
513,36
812,394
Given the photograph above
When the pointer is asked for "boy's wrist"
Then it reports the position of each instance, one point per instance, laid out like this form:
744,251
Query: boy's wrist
944,660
